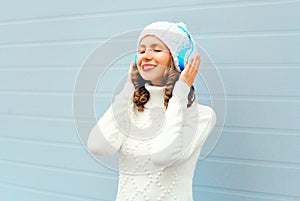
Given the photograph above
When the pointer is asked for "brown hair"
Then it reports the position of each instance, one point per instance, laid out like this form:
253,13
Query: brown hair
141,95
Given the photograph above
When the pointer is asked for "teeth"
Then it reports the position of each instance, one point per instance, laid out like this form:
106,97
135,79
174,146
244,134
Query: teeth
148,67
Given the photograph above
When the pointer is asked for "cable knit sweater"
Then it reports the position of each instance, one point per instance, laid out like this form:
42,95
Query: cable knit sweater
158,149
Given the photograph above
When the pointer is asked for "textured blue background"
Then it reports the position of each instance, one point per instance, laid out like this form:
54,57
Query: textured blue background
256,47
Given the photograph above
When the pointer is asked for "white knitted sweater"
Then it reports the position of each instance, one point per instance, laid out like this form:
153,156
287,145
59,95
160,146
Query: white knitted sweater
158,149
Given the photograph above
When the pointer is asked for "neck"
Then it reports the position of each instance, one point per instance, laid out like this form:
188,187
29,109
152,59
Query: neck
158,83
156,96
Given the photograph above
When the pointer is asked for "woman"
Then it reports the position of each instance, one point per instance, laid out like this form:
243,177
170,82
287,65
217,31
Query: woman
154,123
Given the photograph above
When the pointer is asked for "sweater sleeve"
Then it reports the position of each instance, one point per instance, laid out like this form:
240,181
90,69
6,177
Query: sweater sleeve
184,131
107,136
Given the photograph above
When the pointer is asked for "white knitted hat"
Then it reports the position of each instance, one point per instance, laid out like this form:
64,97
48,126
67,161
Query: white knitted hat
176,37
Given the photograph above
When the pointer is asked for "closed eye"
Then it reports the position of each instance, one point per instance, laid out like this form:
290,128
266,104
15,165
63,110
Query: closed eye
141,51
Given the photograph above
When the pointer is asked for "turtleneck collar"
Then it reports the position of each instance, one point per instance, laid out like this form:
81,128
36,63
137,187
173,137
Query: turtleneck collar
156,96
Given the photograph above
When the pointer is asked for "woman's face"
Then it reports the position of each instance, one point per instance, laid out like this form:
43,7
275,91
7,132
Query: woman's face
153,59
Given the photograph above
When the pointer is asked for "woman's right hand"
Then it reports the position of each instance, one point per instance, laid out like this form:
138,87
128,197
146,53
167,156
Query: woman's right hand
130,70
131,67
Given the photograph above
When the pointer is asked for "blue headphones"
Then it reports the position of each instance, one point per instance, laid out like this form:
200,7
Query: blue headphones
181,54
134,60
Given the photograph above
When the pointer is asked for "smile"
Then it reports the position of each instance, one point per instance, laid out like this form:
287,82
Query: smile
148,67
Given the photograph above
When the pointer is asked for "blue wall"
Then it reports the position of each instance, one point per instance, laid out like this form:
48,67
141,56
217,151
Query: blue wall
256,48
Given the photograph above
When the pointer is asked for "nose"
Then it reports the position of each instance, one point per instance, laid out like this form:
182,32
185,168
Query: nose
147,54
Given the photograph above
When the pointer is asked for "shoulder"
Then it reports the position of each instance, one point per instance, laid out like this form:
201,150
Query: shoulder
201,112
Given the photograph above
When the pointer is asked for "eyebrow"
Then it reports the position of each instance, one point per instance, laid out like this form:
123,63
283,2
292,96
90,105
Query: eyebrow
153,45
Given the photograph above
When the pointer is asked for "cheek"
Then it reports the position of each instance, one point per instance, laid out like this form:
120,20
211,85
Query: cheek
139,61
164,60
139,69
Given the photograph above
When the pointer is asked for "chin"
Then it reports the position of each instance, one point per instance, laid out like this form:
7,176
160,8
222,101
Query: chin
150,76
148,79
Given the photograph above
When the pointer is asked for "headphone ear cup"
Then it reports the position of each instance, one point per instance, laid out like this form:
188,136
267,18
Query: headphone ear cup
181,56
134,61
182,53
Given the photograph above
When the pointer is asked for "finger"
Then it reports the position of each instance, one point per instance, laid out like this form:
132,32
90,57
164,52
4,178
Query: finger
193,66
189,65
131,68
197,62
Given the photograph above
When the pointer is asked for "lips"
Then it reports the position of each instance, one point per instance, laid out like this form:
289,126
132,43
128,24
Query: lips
148,67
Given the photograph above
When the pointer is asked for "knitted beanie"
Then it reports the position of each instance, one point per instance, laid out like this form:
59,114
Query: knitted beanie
176,37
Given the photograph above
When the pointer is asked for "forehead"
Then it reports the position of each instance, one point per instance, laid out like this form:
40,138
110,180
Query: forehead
150,41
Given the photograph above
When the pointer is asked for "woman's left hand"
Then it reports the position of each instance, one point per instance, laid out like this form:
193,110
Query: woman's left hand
190,71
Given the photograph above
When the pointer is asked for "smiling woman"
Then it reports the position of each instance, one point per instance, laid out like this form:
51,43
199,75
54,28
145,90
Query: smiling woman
154,124
153,59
